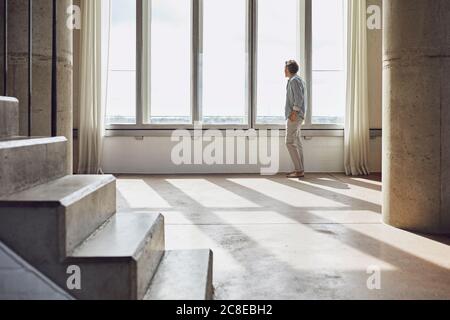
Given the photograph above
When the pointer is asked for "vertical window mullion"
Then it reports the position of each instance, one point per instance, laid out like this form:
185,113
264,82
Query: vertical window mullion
139,57
196,59
248,50
308,58
302,45
145,61
252,77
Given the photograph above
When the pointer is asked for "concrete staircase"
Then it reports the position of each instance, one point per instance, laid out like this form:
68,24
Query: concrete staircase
20,281
56,221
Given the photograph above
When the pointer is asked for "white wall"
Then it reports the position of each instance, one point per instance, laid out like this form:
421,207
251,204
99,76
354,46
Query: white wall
152,155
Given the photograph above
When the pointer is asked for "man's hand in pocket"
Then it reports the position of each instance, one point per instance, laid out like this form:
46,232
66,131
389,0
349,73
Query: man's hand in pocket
294,116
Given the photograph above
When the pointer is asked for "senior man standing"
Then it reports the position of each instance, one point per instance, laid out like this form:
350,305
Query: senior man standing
295,116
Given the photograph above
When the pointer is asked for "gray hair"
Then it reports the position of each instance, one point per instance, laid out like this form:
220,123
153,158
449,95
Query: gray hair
292,66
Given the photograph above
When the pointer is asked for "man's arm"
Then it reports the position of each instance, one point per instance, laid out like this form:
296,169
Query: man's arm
297,95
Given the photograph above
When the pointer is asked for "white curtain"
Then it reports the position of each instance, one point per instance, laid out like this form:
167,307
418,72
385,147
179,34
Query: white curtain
357,128
93,83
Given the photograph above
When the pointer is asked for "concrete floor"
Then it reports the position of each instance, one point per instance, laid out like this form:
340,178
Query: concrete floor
275,238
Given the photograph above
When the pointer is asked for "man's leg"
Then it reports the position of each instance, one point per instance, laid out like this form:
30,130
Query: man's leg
300,147
293,144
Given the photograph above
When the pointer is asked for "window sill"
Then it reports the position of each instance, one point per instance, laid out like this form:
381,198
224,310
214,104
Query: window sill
374,133
306,132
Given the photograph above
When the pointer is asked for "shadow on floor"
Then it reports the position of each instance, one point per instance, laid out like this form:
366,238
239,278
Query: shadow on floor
266,276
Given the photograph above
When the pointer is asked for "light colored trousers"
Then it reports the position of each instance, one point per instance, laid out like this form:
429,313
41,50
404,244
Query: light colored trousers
294,143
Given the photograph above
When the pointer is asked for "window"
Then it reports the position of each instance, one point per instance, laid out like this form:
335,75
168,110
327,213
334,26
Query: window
278,42
221,62
224,62
328,62
121,91
170,70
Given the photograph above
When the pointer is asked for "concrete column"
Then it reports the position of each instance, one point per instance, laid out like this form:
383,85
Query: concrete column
416,121
42,59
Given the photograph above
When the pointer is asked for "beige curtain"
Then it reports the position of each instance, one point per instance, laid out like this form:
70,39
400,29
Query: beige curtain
357,130
93,83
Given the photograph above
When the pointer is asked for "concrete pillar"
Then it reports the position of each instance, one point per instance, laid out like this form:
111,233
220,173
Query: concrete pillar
416,121
42,58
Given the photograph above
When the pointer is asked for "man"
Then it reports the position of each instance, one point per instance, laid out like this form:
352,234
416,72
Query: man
295,115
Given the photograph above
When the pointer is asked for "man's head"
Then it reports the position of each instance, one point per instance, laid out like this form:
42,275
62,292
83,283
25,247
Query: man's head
291,68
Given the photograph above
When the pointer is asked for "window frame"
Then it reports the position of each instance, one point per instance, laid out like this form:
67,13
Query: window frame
309,32
304,23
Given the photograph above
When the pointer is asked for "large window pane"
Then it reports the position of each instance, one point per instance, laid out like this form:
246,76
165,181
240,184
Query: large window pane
224,90
328,69
278,41
121,92
170,101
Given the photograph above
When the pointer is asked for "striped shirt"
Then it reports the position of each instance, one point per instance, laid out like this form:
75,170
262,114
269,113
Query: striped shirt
296,97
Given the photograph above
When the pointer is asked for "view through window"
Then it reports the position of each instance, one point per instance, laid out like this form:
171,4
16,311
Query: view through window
224,62
328,62
170,57
200,58
278,41
121,91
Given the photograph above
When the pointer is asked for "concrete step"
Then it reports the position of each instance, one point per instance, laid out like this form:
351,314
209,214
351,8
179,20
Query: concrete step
9,117
49,221
183,275
118,261
25,163
20,281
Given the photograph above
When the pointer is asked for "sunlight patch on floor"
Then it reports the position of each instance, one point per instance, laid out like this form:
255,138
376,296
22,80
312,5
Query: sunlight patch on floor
286,194
253,218
348,216
196,238
139,194
210,195
412,244
351,191
375,183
